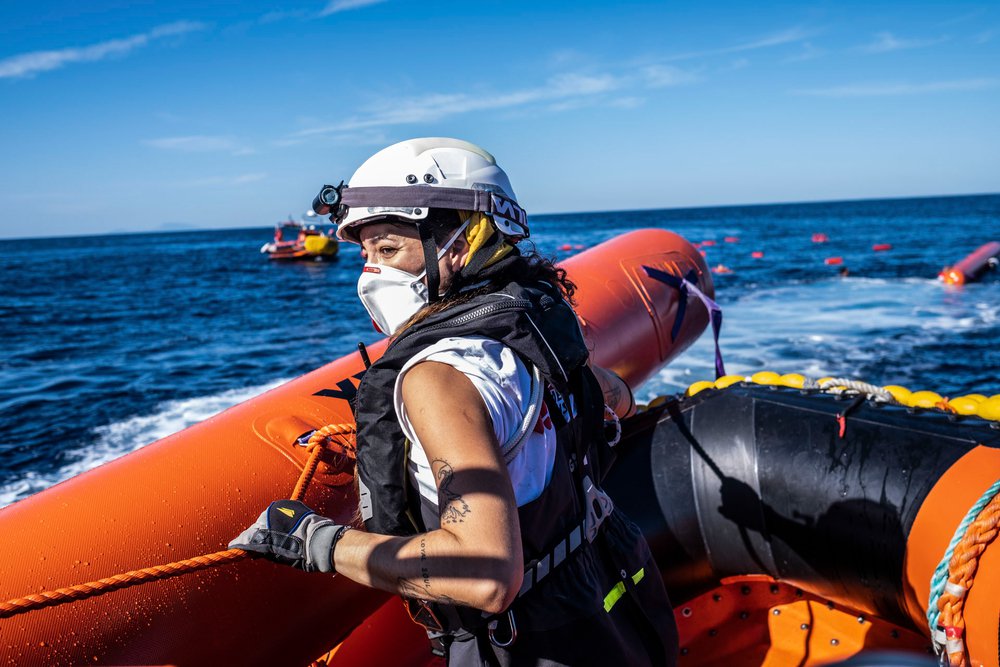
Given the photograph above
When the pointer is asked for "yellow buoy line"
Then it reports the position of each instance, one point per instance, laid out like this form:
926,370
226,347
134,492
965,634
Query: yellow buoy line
978,405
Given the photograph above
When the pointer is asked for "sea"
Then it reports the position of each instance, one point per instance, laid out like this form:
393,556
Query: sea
108,343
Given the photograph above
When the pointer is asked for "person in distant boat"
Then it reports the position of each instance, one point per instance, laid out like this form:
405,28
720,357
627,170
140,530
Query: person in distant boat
482,433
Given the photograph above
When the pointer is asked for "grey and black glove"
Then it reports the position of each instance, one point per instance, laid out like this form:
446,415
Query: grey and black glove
290,533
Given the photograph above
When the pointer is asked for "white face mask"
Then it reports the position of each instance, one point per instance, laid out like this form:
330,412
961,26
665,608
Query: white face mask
391,296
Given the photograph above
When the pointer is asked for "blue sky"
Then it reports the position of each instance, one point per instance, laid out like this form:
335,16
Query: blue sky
143,115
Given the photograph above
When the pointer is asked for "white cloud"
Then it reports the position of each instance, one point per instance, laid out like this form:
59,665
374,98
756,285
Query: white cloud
434,107
34,62
891,89
336,6
200,144
663,76
790,36
885,42
808,53
984,37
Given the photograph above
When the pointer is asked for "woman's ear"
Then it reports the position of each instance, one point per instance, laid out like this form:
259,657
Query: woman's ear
458,253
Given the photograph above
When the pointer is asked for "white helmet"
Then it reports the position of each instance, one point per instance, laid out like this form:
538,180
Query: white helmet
406,179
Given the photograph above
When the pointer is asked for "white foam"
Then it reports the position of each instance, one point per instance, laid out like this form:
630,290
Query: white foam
116,440
833,326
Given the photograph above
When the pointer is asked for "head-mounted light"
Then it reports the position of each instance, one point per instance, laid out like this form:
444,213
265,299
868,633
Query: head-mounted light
328,201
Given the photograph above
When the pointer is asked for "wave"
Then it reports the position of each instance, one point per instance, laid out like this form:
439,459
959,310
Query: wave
837,327
115,440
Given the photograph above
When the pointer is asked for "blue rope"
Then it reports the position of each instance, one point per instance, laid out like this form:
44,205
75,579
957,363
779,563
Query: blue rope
940,578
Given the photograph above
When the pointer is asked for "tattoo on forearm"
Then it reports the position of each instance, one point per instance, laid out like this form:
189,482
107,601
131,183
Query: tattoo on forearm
407,588
410,590
424,572
451,505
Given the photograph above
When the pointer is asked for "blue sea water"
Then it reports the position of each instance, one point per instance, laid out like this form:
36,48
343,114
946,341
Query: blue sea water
112,342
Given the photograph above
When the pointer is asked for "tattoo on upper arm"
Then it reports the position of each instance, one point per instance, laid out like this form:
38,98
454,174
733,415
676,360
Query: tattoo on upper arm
451,506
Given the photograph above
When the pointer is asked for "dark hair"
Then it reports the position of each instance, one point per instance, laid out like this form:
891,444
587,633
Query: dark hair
526,266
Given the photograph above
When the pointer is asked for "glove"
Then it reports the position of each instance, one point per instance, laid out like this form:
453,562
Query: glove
290,533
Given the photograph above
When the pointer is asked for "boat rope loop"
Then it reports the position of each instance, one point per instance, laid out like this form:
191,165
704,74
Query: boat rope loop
847,384
955,574
320,440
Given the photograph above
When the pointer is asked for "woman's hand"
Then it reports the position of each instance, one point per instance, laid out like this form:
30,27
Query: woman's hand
475,557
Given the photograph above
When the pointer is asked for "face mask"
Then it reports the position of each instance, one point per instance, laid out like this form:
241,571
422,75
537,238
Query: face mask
391,296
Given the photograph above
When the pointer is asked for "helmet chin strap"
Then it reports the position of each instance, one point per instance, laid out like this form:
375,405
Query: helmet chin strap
430,262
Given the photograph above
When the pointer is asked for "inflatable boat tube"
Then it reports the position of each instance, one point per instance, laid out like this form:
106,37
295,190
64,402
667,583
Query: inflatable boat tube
190,493
974,266
763,480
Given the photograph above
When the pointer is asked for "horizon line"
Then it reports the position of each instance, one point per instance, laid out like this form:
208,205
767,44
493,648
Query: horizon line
179,227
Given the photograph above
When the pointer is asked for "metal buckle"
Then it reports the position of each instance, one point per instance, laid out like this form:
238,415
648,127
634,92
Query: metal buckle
599,506
491,628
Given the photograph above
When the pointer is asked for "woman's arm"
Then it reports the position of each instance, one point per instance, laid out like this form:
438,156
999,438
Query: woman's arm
475,558
617,394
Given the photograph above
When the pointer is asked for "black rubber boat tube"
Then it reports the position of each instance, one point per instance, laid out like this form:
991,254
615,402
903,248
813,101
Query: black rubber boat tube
759,480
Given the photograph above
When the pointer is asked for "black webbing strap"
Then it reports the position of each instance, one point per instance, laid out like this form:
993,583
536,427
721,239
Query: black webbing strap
430,261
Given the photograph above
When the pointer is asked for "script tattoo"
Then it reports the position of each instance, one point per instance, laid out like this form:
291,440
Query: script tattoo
424,572
453,507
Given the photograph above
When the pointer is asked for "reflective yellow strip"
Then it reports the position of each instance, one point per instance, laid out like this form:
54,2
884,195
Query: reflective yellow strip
619,590
616,593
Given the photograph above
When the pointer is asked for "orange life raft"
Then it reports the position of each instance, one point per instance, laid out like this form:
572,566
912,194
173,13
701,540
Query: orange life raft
189,493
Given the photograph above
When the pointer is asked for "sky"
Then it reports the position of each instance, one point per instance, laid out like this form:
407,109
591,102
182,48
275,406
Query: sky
133,115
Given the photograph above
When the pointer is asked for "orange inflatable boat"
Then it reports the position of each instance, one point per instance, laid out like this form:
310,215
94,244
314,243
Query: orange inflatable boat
792,525
189,493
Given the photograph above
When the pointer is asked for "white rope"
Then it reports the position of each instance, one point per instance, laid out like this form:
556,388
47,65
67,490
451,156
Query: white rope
871,390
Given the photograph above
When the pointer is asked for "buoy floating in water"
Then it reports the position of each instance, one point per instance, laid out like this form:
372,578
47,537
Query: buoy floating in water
707,243
757,254
819,237
721,268
881,247
833,261
973,267
732,239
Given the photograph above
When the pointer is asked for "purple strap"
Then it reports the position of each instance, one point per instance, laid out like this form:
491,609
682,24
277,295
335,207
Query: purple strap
686,286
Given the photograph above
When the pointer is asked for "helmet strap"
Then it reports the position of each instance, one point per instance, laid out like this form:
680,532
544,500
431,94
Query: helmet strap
430,262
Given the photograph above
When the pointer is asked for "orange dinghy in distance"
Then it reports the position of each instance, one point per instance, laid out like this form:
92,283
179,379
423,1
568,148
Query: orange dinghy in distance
191,492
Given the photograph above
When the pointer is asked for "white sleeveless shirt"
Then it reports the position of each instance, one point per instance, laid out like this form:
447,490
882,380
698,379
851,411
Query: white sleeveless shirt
510,392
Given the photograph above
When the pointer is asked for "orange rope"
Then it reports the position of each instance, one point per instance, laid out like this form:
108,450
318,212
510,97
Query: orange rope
317,441
962,572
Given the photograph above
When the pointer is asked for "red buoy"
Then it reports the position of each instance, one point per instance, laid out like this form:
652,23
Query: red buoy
708,243
757,254
732,239
833,261
879,247
721,268
973,267
819,237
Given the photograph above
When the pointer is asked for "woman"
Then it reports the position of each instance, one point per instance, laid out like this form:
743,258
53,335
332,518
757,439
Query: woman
481,439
